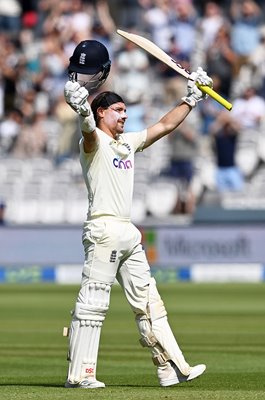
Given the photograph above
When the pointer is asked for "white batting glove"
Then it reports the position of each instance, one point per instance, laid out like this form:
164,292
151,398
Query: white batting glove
69,89
76,96
194,93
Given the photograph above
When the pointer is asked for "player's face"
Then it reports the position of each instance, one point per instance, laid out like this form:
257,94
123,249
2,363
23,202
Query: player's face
115,117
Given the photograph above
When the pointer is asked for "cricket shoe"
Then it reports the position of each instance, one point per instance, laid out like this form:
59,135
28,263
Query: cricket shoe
85,384
169,374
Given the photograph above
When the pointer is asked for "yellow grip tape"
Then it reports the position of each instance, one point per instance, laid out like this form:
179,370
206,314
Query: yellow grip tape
216,96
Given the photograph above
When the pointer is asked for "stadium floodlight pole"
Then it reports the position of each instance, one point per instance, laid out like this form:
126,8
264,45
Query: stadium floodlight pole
155,51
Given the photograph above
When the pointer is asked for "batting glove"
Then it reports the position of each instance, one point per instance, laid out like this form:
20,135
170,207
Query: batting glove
194,93
76,96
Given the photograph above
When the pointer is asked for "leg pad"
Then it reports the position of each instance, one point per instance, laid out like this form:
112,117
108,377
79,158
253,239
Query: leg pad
84,334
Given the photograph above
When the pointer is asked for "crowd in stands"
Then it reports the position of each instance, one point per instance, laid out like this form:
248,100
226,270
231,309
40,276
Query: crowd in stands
226,38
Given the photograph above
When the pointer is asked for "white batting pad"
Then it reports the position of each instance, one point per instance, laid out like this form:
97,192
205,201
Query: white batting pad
164,335
166,346
93,301
90,311
83,350
163,332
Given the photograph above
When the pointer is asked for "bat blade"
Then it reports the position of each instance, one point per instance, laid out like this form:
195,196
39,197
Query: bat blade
162,56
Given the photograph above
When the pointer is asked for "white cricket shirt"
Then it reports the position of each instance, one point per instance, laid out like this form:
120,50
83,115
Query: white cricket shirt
109,173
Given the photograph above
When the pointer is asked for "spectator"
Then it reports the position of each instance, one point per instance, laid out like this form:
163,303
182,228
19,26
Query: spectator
133,72
10,16
210,108
128,12
157,20
104,20
247,18
249,111
2,213
183,22
184,144
221,59
173,85
249,108
10,59
136,111
225,131
54,62
67,137
211,21
31,49
29,13
257,64
32,141
10,129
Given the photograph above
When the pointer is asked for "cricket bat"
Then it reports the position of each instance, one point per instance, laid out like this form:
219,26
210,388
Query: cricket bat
155,51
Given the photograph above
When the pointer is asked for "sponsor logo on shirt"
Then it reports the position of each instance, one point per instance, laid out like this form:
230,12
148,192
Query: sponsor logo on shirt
122,164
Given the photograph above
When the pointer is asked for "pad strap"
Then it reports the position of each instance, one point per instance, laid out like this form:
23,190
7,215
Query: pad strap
160,356
148,339
156,333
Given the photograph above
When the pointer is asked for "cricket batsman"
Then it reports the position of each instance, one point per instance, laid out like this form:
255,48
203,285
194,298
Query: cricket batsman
112,243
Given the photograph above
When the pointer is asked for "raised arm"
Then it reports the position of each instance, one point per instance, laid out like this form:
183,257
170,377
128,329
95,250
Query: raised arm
173,118
76,96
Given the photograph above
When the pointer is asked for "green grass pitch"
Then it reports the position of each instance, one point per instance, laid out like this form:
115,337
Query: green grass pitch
221,325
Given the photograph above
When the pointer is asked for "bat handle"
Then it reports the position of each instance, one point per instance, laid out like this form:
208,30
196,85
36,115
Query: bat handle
216,96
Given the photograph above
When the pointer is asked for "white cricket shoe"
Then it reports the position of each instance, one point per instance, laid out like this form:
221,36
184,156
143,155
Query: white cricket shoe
85,384
169,374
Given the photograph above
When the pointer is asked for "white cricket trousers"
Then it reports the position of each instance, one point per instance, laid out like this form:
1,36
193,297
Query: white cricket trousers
113,249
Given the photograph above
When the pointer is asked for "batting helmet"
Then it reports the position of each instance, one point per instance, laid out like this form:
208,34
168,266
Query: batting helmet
90,57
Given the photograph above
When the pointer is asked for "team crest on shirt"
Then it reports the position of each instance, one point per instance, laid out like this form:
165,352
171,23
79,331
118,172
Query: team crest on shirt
122,149
113,256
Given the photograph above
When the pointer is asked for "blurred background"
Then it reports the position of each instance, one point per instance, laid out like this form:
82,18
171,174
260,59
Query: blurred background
199,193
